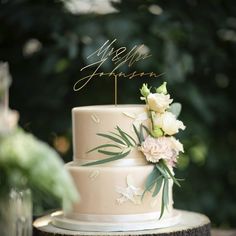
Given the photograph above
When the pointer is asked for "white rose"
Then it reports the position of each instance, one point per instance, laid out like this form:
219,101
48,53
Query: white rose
159,102
168,122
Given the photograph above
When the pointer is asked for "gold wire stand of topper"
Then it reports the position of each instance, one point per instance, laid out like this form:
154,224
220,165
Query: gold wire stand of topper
116,91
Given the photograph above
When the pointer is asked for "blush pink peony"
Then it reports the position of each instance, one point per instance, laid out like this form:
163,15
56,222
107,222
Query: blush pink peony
162,148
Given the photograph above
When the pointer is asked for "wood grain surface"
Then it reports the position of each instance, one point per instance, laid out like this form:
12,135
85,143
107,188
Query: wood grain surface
191,224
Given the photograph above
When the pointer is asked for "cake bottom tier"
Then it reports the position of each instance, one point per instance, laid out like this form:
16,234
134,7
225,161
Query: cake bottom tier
114,194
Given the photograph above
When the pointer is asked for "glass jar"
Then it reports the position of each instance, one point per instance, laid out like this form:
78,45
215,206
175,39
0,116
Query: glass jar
16,213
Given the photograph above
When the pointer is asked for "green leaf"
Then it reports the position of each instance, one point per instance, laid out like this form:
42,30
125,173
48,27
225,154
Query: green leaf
146,129
117,135
126,140
111,138
162,199
151,180
162,203
166,193
137,134
158,186
179,179
175,108
152,177
108,152
162,170
141,133
165,197
128,136
114,158
103,146
170,174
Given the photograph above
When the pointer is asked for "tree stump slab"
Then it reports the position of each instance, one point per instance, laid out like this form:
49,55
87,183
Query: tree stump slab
190,224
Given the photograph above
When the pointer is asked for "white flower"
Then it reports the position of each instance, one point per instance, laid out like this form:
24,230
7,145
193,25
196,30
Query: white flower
159,102
176,147
163,148
168,122
8,121
155,149
176,144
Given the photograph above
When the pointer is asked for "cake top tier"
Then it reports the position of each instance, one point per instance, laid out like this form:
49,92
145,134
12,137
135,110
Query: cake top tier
90,120
134,133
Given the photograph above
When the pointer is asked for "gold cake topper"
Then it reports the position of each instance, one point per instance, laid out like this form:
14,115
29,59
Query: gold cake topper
119,57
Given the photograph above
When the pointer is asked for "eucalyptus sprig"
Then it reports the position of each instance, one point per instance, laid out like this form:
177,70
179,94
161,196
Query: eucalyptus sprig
140,133
158,180
122,143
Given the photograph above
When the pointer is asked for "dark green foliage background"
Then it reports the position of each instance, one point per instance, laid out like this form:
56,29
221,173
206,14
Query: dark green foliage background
193,42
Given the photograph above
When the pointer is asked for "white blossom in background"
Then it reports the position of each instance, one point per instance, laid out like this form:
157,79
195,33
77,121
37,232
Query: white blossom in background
8,122
143,50
8,118
31,46
41,166
32,158
5,81
5,77
155,9
90,6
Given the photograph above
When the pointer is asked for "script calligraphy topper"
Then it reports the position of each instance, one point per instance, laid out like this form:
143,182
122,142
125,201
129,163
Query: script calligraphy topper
119,57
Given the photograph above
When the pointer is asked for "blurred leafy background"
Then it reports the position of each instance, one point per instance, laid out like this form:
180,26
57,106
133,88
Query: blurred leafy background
192,42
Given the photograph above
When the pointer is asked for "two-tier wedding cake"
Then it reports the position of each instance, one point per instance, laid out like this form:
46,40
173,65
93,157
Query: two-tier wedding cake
123,165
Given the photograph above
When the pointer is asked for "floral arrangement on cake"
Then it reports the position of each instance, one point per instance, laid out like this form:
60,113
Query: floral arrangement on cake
155,140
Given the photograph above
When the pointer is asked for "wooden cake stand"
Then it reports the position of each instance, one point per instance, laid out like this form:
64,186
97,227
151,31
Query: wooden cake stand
190,224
